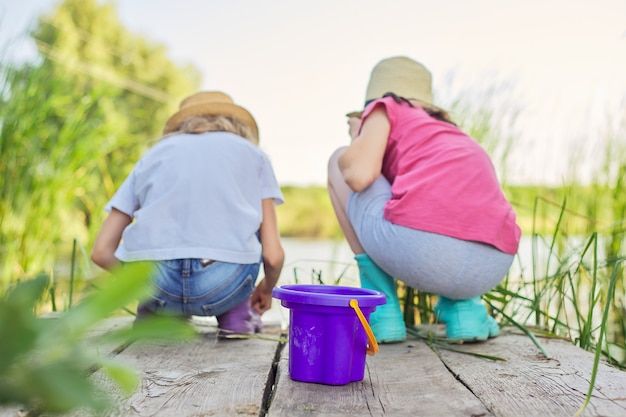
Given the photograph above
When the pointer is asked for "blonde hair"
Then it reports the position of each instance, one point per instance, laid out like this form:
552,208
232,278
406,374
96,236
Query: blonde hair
203,124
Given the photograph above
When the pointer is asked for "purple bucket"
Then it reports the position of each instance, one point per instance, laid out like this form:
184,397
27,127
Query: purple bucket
327,342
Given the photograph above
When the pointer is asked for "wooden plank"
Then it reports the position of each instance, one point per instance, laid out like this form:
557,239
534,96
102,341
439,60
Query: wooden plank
528,384
11,411
403,379
203,377
229,378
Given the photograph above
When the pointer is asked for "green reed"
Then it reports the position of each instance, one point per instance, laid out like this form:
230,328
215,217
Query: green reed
573,287
570,288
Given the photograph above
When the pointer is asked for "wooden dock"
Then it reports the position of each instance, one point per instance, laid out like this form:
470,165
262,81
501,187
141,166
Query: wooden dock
250,377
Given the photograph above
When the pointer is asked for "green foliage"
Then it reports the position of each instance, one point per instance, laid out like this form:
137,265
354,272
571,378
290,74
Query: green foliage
71,126
45,363
577,273
307,213
44,166
589,207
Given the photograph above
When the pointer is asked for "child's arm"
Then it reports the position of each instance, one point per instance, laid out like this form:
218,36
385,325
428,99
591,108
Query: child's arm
362,161
273,258
103,253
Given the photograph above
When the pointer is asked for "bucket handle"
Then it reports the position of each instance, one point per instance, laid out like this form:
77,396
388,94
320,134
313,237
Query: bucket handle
372,346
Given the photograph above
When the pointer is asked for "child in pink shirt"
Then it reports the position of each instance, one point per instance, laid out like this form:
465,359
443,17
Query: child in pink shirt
419,201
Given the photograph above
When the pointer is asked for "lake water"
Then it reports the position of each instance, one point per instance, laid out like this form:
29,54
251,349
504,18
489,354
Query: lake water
308,261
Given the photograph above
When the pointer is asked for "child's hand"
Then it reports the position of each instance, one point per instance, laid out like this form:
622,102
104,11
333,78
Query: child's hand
261,298
354,123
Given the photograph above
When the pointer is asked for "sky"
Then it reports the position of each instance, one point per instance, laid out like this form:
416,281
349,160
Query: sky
299,66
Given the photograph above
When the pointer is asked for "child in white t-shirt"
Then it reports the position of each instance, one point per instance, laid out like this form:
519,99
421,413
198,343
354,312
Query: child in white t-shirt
200,205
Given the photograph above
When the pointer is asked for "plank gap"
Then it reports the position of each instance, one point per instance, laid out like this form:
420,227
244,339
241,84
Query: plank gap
457,376
270,385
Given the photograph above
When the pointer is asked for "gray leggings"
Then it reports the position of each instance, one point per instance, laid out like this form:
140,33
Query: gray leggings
429,262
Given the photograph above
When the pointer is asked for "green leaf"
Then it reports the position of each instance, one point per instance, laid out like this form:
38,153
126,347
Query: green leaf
19,327
63,386
126,285
27,293
123,375
153,328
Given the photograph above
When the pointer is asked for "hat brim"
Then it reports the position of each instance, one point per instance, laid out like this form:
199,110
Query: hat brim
356,114
212,109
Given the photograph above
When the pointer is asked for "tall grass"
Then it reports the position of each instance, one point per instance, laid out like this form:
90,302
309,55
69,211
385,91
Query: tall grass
43,169
567,290
574,287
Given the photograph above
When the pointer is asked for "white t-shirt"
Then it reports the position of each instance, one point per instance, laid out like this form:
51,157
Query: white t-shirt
196,196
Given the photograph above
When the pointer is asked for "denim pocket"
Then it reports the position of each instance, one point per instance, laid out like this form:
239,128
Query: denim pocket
155,305
234,297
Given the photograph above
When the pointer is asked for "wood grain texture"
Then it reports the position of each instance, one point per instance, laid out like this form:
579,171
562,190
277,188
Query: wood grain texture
403,379
205,377
528,384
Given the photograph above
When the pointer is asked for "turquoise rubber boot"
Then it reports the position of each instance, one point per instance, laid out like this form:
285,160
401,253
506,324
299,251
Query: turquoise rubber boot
387,321
466,320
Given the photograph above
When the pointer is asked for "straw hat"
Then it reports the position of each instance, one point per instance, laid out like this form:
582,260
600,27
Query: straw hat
210,103
400,75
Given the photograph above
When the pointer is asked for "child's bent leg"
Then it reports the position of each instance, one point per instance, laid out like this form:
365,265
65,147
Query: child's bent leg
339,193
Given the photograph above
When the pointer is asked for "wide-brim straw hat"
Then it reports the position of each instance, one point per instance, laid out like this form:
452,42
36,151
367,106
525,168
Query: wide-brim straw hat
402,76
210,103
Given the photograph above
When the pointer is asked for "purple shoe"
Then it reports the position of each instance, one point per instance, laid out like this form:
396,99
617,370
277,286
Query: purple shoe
144,311
240,320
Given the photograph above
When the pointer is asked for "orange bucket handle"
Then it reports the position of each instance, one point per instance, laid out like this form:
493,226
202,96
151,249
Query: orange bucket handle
372,346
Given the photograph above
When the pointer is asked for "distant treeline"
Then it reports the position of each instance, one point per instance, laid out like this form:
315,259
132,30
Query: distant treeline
307,212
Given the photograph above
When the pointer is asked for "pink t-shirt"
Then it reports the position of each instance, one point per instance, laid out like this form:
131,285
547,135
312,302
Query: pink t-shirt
442,180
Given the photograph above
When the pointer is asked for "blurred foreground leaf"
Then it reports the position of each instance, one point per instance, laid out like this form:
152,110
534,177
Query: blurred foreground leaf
121,374
44,362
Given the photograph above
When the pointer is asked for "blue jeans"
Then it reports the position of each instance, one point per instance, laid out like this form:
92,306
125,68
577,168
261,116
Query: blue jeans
196,287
